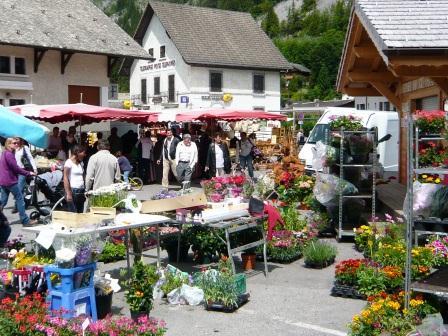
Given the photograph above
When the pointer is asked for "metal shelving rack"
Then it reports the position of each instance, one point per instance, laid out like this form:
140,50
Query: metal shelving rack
413,168
341,232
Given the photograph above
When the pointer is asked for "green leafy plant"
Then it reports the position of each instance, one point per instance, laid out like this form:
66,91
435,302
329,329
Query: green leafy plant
139,287
430,121
205,243
112,252
349,123
173,281
284,247
219,286
319,254
370,280
294,221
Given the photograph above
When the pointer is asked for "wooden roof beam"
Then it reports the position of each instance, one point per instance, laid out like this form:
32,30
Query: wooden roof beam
386,91
65,58
434,60
421,71
442,83
38,55
368,76
365,51
361,91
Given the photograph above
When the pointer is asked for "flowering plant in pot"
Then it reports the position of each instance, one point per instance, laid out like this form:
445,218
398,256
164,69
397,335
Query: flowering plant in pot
386,315
439,247
214,189
432,154
139,288
349,123
430,122
346,271
284,247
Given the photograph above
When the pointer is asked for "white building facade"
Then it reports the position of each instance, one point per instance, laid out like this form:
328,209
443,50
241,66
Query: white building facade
170,82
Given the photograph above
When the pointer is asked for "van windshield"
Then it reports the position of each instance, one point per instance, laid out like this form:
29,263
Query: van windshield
318,133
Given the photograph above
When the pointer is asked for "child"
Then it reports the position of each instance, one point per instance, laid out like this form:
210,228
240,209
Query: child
125,166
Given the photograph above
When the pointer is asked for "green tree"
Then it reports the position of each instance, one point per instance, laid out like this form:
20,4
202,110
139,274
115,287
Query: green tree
270,23
308,6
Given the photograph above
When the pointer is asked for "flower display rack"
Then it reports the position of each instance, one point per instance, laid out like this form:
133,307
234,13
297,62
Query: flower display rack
342,229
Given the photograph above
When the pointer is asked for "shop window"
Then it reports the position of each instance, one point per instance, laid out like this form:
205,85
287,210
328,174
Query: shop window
13,102
381,107
258,83
360,106
162,52
386,106
143,91
156,86
151,51
215,81
5,65
171,89
19,64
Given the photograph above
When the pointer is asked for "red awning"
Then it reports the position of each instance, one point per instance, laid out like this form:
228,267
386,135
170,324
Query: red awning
84,113
229,115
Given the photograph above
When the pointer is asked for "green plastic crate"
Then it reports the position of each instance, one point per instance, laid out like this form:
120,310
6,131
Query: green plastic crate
240,283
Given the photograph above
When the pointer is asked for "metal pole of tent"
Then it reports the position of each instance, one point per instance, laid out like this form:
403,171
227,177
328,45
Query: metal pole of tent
409,212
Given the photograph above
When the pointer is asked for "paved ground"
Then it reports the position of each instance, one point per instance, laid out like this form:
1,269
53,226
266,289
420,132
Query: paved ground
292,300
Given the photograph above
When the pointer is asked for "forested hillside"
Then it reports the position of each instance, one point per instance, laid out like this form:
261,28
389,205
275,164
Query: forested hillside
311,34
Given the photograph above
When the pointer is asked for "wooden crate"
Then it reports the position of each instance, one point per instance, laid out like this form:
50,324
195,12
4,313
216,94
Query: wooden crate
75,220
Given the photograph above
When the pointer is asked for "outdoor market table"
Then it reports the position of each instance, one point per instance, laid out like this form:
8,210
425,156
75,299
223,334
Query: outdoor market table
236,225
125,221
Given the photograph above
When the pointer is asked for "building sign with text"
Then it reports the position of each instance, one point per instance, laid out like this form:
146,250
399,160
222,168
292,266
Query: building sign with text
158,66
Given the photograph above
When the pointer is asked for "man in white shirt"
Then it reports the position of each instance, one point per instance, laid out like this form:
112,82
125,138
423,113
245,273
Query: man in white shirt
103,168
186,158
168,157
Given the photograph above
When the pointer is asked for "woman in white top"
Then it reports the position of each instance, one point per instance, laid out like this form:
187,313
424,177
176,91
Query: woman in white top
74,180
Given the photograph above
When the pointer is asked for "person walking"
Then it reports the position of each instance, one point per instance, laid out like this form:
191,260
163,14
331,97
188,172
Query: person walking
103,169
74,185
186,158
125,166
146,157
168,157
9,171
245,156
218,157
26,161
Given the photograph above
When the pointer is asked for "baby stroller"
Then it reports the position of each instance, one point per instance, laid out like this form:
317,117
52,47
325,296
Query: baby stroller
51,186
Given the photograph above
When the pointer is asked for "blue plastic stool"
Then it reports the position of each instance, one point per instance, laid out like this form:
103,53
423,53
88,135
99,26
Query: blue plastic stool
66,294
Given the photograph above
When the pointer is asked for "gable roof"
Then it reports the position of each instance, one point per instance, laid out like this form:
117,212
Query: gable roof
214,37
395,25
69,25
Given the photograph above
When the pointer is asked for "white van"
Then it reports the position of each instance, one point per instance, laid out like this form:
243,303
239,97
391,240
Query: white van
387,122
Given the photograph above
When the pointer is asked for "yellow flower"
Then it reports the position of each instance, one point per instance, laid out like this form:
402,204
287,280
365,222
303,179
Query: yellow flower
424,176
415,303
437,180
139,294
394,305
365,313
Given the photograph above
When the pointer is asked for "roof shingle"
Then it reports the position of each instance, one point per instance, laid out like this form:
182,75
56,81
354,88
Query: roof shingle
65,24
405,24
213,37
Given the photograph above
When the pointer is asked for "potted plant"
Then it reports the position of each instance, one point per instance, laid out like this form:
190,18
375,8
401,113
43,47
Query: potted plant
430,122
348,122
139,289
173,281
319,254
360,146
221,288
248,257
284,247
204,243
215,189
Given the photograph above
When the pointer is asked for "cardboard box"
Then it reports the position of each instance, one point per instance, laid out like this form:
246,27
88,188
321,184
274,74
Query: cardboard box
170,204
75,220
